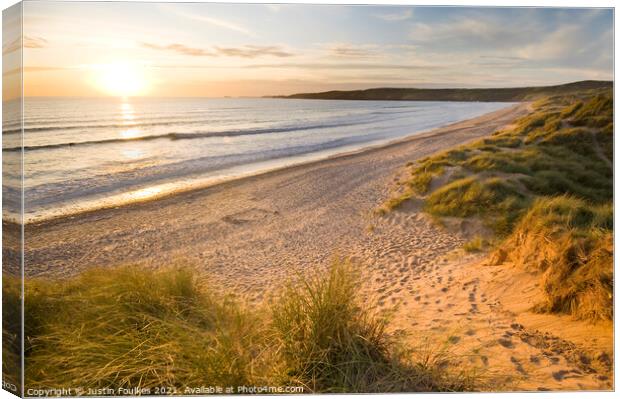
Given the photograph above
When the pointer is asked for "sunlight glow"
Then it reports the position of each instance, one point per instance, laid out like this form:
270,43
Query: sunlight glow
123,79
130,133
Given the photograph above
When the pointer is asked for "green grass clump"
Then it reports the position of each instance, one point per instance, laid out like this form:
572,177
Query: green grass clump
133,328
421,181
571,243
497,201
331,342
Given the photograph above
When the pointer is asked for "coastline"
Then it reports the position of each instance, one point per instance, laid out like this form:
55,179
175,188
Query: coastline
248,236
288,214
210,183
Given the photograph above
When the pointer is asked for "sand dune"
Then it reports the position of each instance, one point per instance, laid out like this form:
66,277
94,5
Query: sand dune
445,299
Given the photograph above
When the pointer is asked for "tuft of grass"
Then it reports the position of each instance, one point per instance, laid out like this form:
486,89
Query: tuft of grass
497,201
131,328
134,328
570,242
329,342
476,244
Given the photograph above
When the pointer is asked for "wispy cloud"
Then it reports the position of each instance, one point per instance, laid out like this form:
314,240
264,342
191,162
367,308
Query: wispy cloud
28,42
219,22
34,42
346,66
346,50
247,51
397,16
251,51
33,69
180,49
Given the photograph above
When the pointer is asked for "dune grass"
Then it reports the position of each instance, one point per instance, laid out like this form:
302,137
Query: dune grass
11,333
570,242
133,328
476,244
561,153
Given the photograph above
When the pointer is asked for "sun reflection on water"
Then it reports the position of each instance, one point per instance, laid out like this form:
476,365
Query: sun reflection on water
127,113
130,133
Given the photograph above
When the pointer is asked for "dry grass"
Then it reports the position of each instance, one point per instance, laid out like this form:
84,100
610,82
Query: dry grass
477,244
570,242
132,328
11,332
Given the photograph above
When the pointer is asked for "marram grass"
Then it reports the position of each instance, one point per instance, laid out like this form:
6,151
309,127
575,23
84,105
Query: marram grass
133,328
533,185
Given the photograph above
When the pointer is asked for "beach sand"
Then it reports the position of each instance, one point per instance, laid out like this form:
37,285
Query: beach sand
251,234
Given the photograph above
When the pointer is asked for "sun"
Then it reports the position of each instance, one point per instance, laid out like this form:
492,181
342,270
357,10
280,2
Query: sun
123,79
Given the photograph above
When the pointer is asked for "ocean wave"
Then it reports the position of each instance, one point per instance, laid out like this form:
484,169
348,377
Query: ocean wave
180,136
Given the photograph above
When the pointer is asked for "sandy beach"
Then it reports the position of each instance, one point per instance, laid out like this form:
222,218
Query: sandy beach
250,234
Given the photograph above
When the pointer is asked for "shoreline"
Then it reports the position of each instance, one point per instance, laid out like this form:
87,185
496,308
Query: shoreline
296,217
248,236
222,181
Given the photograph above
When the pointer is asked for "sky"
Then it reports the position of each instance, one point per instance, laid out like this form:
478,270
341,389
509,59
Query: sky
213,50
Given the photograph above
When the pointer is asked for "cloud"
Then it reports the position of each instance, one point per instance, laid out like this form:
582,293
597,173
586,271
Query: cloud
28,42
345,66
398,16
519,38
32,69
34,42
247,51
561,43
250,51
219,22
469,31
180,49
345,50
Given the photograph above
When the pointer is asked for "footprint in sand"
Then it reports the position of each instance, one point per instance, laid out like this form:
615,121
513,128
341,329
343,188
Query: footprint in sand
506,343
518,365
559,375
454,339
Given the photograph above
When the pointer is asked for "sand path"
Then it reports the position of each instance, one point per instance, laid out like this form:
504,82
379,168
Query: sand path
444,299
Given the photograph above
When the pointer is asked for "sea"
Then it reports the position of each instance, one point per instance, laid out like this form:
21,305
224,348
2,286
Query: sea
86,153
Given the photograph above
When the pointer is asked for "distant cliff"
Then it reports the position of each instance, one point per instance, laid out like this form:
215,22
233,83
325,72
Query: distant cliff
410,94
